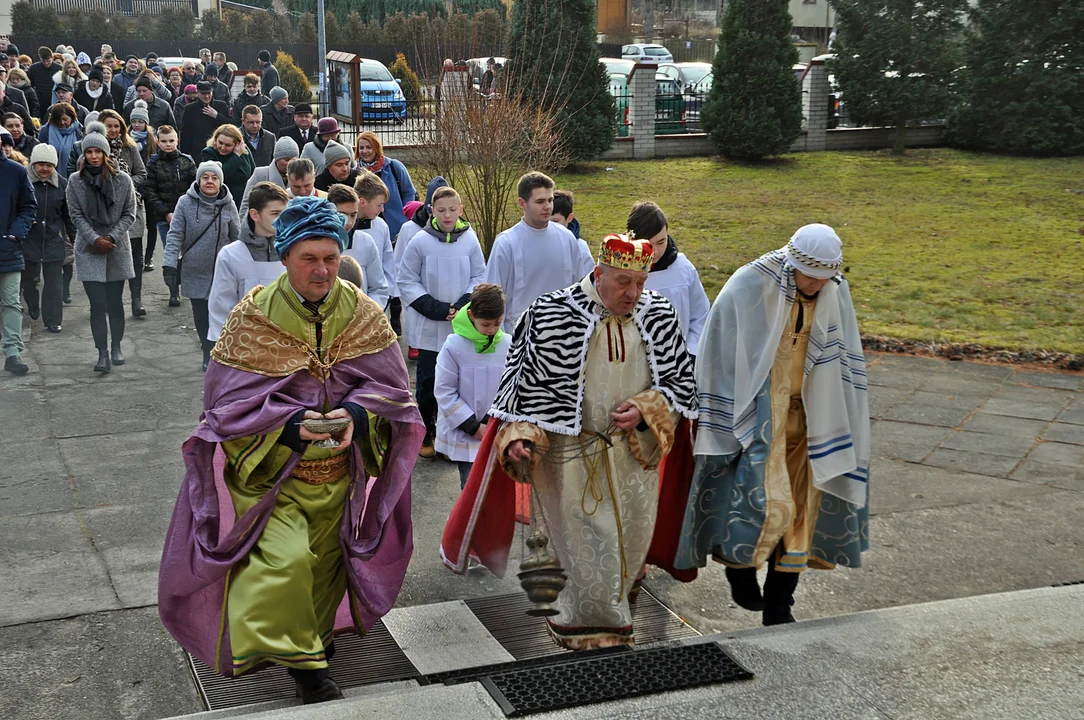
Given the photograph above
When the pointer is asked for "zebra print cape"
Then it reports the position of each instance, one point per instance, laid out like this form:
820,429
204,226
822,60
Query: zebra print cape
542,382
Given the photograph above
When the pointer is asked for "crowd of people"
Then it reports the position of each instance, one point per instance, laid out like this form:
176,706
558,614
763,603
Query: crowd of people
650,426
192,154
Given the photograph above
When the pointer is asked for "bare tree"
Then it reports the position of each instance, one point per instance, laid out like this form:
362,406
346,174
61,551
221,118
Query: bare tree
482,146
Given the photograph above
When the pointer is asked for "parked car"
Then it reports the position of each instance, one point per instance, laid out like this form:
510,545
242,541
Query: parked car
621,66
669,105
647,53
175,62
381,96
695,95
686,74
477,68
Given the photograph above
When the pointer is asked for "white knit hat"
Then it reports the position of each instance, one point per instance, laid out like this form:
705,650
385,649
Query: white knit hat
43,152
815,250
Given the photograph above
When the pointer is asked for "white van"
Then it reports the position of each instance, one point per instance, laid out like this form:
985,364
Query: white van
647,53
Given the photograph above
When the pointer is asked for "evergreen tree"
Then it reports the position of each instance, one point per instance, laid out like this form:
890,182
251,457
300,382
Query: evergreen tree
554,62
1022,87
754,107
332,35
895,58
306,29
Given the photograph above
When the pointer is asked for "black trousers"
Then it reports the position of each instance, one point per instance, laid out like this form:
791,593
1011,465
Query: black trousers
51,300
69,272
152,238
106,301
203,323
425,378
136,283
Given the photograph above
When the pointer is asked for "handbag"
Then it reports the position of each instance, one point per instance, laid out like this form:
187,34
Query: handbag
192,244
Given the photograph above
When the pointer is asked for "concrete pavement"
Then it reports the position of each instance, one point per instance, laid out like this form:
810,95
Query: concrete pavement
978,487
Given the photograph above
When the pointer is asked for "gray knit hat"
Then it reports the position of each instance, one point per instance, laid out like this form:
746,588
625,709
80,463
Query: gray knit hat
285,149
335,152
95,137
211,166
277,94
139,112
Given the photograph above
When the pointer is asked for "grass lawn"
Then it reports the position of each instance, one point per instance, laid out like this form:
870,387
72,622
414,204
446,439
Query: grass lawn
940,246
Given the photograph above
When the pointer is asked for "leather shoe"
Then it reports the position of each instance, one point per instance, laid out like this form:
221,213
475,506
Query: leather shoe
68,299
15,365
137,308
102,366
147,267
744,588
174,301
771,618
117,357
53,328
34,313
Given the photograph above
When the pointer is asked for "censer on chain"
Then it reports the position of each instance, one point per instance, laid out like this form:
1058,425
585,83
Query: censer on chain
541,574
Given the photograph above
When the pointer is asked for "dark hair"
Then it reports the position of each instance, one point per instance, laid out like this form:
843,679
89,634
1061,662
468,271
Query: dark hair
530,181
265,192
562,203
646,220
59,110
11,116
487,301
45,53
339,193
299,167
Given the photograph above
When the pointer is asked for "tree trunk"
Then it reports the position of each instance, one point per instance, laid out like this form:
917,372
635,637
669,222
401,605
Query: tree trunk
899,137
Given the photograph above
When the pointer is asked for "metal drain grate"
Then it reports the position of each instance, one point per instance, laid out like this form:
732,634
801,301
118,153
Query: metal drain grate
375,658
527,637
1067,584
614,677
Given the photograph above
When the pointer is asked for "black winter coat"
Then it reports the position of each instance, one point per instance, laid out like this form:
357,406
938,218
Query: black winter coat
168,178
52,227
8,106
197,128
41,80
102,102
242,101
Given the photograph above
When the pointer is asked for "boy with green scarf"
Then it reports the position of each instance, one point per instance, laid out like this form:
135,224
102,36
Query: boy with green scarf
469,369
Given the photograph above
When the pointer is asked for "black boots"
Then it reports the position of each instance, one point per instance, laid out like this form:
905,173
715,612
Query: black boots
778,595
315,686
102,366
15,365
744,588
395,310
137,307
116,356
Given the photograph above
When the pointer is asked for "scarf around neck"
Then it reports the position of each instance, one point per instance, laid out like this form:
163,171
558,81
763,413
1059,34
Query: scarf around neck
462,326
375,166
668,256
102,196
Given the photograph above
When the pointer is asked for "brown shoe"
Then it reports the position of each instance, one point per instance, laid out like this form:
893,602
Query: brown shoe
427,452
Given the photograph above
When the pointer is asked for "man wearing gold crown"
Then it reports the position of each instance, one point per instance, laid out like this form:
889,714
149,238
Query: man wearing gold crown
596,377
783,447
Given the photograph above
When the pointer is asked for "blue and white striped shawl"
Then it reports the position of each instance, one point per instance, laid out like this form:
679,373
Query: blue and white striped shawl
736,353
543,378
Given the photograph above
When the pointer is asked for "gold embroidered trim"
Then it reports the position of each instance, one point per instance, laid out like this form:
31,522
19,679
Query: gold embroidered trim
252,343
323,471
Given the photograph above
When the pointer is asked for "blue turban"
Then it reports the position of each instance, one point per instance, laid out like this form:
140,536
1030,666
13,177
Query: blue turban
305,218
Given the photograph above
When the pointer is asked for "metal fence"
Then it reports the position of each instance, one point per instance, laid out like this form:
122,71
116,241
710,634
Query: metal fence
408,123
682,50
119,7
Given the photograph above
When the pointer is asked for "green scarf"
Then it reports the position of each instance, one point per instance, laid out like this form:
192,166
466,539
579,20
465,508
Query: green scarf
463,327
460,226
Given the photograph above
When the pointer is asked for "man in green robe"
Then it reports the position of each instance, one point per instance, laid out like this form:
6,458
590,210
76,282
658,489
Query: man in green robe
311,524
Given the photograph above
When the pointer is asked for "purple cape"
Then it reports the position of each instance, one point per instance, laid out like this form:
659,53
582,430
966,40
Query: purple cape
376,533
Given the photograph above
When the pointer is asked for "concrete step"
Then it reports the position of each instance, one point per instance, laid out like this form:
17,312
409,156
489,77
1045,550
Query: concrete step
1009,655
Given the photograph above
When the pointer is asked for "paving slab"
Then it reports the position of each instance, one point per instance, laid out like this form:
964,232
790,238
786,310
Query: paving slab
104,665
118,468
905,486
973,462
1036,404
1050,474
1061,381
130,539
906,441
986,422
881,399
444,636
977,442
921,414
1074,414
1064,433
960,385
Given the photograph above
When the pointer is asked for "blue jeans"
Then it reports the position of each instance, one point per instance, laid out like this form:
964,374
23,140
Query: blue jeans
464,472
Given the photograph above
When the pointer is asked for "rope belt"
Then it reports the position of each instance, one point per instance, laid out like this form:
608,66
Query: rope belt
594,451
321,472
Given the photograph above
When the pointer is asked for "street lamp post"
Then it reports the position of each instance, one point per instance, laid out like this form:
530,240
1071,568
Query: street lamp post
321,50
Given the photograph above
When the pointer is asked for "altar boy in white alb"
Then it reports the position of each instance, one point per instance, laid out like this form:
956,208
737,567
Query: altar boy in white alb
250,260
671,274
440,268
535,256
361,246
469,369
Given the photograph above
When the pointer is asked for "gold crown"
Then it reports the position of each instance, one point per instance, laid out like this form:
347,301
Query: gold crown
625,253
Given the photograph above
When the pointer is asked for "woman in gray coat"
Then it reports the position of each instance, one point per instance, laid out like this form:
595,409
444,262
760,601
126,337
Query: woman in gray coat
204,221
124,152
102,204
